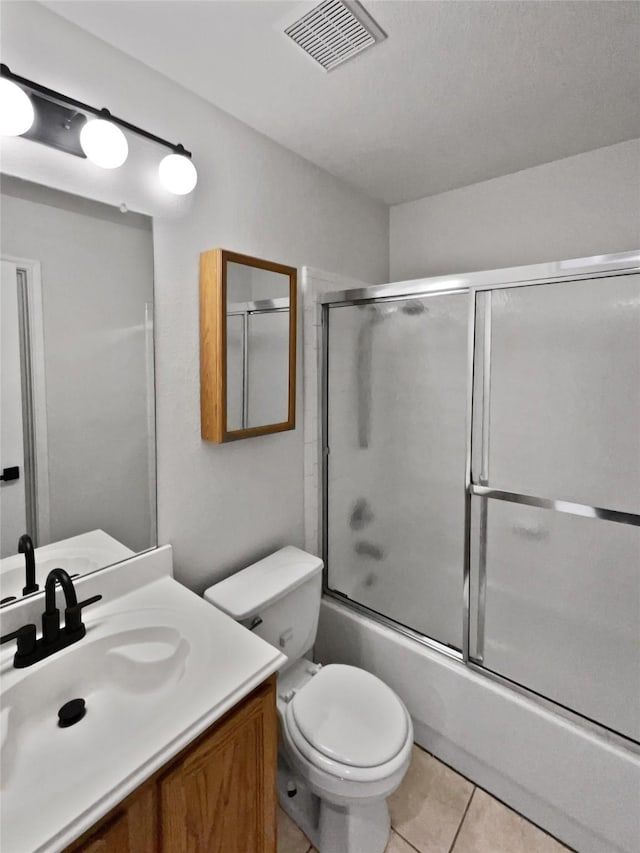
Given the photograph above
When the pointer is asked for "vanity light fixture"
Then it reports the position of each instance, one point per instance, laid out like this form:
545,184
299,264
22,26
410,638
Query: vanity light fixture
26,107
16,109
104,143
177,173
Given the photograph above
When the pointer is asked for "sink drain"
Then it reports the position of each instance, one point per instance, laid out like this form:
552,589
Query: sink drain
71,713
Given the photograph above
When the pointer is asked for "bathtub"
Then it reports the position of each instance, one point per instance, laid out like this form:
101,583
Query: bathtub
575,783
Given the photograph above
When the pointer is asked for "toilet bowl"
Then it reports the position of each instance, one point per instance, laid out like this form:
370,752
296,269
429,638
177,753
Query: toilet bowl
348,737
345,736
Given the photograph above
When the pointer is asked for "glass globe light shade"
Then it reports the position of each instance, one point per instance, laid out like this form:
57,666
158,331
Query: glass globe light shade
104,143
16,109
178,174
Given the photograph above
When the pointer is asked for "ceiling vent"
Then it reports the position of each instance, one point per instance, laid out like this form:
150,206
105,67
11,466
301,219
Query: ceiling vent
334,32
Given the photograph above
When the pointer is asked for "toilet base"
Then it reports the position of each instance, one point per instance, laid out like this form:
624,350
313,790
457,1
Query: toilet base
357,828
298,802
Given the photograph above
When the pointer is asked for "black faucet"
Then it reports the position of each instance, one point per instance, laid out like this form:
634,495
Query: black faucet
51,615
25,546
30,650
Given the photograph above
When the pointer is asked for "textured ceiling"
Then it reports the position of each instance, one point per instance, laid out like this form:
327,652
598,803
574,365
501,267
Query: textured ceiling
458,93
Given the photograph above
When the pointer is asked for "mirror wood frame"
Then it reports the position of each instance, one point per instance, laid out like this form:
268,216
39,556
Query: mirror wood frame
213,345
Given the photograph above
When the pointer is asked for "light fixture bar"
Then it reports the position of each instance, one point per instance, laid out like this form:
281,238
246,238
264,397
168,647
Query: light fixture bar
102,113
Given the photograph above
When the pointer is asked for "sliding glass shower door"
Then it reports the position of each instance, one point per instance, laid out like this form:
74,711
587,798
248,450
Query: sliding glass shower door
534,499
396,392
555,541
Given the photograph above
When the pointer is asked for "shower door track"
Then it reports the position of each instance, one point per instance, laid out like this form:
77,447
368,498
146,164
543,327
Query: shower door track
599,266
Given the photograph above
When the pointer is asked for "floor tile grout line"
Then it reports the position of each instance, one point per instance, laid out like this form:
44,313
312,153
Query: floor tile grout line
406,841
498,799
466,810
464,817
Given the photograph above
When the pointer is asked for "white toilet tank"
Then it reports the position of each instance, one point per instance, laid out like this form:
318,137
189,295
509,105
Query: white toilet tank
278,598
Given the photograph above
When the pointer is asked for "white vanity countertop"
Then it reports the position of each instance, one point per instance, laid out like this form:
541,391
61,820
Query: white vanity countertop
157,667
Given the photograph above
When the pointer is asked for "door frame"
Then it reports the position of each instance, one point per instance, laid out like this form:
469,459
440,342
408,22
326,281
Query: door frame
32,276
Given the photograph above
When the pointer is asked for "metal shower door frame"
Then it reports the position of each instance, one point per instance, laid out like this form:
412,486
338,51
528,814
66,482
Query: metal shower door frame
475,283
364,296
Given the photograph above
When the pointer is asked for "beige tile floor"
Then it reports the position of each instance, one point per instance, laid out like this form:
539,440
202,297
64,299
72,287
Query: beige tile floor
435,810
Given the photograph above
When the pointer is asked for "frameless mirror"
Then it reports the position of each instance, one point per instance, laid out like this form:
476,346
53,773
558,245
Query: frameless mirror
77,432
248,329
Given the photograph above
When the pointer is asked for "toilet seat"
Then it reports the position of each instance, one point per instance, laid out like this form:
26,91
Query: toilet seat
350,716
349,724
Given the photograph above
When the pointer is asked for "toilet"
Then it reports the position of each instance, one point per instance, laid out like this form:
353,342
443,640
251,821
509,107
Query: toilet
345,737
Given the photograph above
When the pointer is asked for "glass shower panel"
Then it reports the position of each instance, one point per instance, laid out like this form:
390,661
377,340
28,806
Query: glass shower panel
556,608
396,434
563,418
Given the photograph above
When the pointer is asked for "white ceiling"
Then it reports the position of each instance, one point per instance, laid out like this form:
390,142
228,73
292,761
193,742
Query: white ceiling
459,92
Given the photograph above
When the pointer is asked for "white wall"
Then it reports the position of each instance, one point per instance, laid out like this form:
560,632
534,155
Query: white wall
97,275
220,506
583,205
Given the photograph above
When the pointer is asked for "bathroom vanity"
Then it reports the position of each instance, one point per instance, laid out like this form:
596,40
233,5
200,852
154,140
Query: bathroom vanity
218,794
175,745
177,748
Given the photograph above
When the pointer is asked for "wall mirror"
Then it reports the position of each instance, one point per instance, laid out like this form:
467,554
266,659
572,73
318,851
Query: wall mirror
77,432
247,346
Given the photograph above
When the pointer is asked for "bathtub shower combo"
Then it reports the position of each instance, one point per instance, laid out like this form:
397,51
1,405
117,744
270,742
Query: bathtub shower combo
481,495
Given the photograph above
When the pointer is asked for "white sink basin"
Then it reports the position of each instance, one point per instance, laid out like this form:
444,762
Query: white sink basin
157,666
121,677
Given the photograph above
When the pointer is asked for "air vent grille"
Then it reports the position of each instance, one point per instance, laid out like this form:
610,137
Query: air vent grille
334,32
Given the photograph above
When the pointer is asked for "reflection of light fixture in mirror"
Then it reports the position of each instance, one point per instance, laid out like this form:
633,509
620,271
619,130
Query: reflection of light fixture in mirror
104,143
177,173
16,109
101,139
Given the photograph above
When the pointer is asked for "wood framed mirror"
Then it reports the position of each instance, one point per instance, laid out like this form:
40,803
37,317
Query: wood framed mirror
247,346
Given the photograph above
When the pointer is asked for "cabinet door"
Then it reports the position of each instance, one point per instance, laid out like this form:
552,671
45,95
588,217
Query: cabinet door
222,797
132,829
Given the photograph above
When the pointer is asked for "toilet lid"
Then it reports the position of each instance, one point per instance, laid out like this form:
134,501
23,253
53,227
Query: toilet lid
351,716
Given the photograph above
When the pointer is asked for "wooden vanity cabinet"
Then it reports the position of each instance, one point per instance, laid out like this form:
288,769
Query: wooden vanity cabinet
217,796
131,828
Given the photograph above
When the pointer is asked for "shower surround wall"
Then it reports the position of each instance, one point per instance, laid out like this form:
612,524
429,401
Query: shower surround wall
544,627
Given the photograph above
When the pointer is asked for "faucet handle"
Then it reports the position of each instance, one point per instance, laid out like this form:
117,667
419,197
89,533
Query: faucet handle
73,614
26,637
